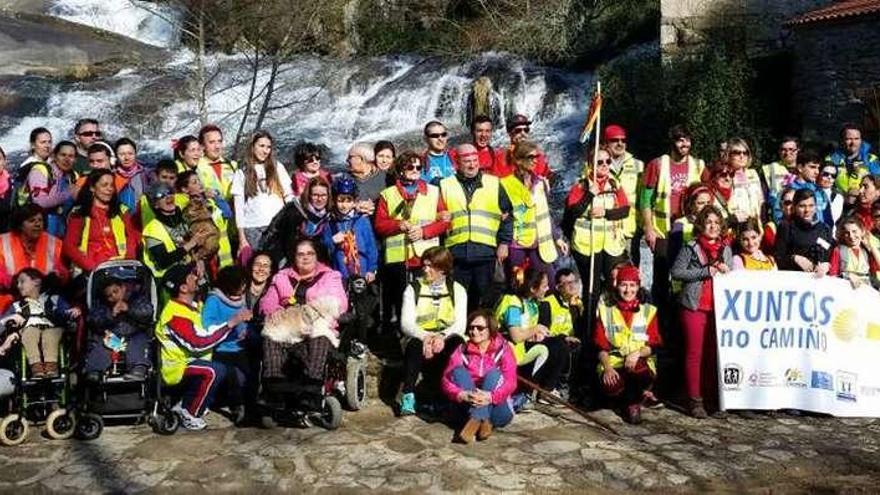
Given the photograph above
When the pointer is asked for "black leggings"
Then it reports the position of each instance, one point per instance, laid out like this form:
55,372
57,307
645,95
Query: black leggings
558,359
414,363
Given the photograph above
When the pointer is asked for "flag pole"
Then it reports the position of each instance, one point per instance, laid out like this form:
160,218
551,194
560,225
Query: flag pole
588,303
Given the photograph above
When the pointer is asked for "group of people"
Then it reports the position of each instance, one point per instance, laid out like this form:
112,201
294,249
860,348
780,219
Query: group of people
491,294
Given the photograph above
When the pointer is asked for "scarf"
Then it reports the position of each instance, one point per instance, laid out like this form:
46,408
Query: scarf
628,306
712,249
315,220
130,172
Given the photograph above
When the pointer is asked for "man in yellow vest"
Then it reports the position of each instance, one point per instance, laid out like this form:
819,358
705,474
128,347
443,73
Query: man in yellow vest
214,171
777,175
561,311
627,171
480,226
664,185
185,346
410,218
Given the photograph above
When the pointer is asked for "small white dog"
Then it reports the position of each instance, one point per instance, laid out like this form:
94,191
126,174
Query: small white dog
292,324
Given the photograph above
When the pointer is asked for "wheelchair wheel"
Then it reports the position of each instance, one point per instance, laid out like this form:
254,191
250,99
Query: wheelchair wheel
331,414
355,384
13,430
60,424
165,422
89,426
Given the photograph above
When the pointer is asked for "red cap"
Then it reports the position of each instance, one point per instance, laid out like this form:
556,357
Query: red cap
628,273
614,131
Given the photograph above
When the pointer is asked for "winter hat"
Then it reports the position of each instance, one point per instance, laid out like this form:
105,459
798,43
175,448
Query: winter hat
516,121
628,273
176,276
614,131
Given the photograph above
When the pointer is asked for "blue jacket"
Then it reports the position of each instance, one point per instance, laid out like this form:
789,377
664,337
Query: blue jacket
821,198
218,309
365,239
845,170
437,168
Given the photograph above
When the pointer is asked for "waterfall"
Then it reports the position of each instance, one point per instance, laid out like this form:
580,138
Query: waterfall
147,22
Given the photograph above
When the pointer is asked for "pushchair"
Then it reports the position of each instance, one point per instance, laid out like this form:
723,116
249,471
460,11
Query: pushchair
111,395
39,400
345,381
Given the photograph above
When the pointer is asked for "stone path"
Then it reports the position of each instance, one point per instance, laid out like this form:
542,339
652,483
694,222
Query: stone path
546,450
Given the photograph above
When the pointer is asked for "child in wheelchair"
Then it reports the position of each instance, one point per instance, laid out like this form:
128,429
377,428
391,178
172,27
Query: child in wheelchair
120,322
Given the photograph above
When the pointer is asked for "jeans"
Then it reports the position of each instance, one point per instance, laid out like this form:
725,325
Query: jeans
498,414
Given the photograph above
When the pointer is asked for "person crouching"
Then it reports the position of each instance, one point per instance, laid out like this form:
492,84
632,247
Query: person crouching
626,333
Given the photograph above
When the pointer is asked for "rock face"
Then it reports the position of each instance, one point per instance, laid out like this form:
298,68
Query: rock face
33,43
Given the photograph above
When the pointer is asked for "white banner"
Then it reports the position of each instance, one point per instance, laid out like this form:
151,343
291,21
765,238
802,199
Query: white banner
787,340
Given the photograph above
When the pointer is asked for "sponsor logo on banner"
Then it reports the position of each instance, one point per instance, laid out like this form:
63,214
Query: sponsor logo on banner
760,378
732,376
821,380
847,384
795,378
869,391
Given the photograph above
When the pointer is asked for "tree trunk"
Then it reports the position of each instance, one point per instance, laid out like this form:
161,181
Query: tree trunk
201,81
250,99
270,89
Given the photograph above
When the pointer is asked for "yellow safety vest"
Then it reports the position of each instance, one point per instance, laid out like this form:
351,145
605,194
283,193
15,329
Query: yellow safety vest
858,266
209,179
434,312
662,207
529,319
625,339
224,252
561,322
775,174
156,230
477,221
531,216
628,179
118,228
593,235
846,181
173,357
424,211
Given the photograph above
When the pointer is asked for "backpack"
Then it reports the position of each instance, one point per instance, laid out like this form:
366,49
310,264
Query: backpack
20,193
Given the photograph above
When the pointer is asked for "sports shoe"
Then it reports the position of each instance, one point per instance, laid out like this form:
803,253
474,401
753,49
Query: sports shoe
187,420
408,404
522,402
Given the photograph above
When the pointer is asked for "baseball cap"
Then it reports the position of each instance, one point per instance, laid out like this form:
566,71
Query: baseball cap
518,120
614,131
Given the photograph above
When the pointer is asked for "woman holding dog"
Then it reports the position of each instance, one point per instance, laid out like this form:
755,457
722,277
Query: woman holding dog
167,238
98,229
312,283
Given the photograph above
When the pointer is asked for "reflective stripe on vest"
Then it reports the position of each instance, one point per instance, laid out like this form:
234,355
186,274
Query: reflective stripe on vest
8,253
173,357
209,178
531,216
593,235
118,228
626,339
662,209
628,180
477,221
157,230
434,313
747,198
560,317
424,212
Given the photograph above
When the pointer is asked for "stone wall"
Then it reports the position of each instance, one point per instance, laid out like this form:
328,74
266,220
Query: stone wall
759,23
837,76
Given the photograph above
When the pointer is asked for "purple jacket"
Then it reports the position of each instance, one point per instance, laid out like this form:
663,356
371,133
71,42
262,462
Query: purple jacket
286,283
499,355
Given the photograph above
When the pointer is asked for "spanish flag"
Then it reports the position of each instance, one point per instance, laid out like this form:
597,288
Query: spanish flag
592,117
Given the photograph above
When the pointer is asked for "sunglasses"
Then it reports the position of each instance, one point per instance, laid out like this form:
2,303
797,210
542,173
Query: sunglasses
90,133
738,153
479,328
617,140
437,135
522,129
603,162
311,159
832,175
724,175
412,167
787,202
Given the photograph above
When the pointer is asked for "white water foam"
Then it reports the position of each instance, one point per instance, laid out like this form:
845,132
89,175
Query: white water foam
145,21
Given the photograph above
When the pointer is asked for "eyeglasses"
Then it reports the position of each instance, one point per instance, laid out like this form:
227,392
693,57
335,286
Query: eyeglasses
738,152
311,159
521,129
306,254
603,162
411,167
788,150
90,133
832,175
724,175
617,140
437,135
319,195
479,328
787,202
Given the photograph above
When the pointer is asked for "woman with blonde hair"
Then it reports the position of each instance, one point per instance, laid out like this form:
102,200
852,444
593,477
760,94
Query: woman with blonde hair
260,188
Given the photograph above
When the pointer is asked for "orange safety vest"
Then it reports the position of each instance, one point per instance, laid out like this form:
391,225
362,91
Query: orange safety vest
14,257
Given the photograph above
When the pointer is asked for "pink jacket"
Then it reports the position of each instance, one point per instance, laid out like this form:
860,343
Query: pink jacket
327,283
498,355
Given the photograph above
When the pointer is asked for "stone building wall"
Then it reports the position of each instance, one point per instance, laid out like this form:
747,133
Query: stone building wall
837,76
759,23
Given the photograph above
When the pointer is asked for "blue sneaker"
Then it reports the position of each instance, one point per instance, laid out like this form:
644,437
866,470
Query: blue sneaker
408,404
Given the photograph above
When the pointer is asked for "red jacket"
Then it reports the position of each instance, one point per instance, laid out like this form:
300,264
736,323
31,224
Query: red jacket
504,166
101,245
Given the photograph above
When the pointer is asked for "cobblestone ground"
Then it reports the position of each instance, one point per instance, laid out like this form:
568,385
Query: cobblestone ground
549,449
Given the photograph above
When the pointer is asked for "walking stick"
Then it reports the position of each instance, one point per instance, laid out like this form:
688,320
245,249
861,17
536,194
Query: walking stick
589,301
556,400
